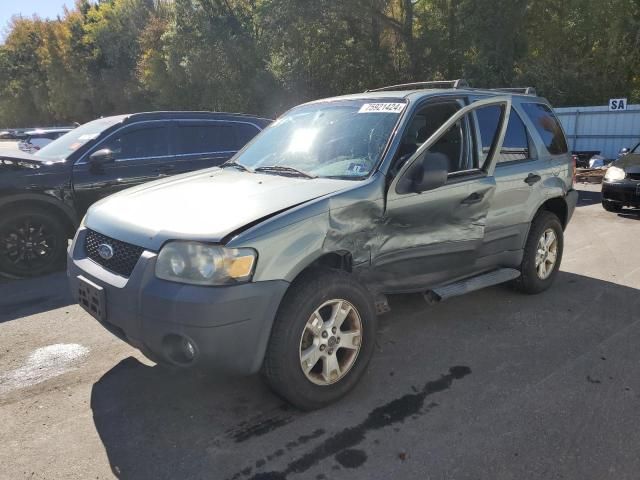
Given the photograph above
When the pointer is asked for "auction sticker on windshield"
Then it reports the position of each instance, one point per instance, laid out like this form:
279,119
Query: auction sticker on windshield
382,108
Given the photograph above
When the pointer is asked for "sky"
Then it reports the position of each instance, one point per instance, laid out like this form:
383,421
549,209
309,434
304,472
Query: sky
44,8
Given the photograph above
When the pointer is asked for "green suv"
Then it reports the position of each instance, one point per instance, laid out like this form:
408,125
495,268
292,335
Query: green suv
281,259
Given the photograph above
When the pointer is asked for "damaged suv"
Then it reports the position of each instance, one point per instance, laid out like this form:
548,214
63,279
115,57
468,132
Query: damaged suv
280,260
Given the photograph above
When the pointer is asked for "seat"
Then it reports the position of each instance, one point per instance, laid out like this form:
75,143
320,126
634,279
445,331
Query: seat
449,145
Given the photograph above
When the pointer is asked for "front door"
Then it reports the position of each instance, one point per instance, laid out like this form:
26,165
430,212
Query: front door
433,237
141,153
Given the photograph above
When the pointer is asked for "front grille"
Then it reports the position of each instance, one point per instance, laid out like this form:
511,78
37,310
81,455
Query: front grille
125,255
633,176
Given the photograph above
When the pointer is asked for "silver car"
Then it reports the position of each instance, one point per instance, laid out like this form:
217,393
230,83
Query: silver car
39,138
281,259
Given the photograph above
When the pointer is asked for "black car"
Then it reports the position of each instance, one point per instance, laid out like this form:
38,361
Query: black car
44,196
621,185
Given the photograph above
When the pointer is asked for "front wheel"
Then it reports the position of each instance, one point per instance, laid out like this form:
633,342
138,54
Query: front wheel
542,254
322,339
32,242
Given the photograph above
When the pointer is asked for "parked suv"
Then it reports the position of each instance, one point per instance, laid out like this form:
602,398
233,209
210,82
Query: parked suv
44,196
280,259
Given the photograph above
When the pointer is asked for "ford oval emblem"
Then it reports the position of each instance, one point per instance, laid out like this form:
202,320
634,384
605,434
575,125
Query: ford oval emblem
105,251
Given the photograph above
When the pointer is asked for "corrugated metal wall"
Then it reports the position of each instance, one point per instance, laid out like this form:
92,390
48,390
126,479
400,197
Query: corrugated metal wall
596,128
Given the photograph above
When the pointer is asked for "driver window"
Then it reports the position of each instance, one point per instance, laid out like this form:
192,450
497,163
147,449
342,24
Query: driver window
139,143
423,125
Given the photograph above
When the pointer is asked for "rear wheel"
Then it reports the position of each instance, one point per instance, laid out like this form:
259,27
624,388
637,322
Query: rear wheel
610,206
32,242
322,339
542,254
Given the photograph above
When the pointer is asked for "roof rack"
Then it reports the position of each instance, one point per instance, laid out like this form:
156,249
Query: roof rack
459,83
524,90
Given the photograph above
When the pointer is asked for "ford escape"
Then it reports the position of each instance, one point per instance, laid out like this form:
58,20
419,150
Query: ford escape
280,259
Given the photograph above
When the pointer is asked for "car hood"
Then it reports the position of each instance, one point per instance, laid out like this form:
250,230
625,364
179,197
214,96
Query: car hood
208,205
631,160
20,159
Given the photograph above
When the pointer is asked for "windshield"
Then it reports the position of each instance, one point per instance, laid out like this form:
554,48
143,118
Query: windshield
64,146
636,149
339,139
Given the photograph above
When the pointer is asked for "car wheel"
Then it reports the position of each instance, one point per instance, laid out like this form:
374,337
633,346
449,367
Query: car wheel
32,242
542,254
611,206
322,339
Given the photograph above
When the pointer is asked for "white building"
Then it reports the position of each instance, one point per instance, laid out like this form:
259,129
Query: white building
599,129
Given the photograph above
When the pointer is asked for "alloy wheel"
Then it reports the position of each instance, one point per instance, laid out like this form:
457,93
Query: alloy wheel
27,243
330,342
546,254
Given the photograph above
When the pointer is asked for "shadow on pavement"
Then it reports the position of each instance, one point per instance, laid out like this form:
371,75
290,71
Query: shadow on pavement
160,423
587,197
21,298
633,214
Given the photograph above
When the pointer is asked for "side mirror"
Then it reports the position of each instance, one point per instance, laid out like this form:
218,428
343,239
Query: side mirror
101,157
426,173
623,151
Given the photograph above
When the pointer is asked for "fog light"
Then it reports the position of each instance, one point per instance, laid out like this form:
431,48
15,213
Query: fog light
179,349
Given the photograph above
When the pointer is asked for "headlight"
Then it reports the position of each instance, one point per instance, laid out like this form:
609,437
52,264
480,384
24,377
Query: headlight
204,264
614,173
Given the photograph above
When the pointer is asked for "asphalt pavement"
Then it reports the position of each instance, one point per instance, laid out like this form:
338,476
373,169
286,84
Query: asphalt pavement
493,385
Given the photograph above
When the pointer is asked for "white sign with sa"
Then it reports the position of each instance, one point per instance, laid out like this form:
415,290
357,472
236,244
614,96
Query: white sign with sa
617,104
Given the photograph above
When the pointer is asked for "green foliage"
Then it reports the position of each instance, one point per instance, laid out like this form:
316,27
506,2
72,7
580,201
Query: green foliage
262,56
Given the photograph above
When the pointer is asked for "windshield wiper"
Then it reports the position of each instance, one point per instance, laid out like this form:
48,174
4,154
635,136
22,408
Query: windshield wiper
284,169
237,165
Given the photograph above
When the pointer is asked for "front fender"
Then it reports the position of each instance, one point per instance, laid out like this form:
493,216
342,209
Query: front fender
49,200
283,253
343,222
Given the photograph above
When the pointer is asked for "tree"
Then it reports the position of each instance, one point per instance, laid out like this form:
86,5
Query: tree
263,56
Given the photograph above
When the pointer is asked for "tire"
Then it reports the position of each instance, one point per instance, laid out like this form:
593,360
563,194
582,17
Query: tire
531,281
610,206
292,334
32,242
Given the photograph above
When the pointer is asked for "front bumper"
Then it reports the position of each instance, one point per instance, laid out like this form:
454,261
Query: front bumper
626,192
228,326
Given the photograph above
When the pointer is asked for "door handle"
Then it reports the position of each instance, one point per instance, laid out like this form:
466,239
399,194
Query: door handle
532,178
475,197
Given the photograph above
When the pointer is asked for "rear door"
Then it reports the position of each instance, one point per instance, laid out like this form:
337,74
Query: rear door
433,237
208,143
518,173
141,154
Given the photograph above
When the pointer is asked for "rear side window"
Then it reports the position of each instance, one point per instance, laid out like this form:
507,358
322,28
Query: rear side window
516,140
139,143
206,138
547,126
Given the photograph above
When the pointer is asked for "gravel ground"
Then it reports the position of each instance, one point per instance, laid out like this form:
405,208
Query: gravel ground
494,385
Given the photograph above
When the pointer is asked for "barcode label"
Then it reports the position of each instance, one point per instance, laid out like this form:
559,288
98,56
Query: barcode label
381,108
